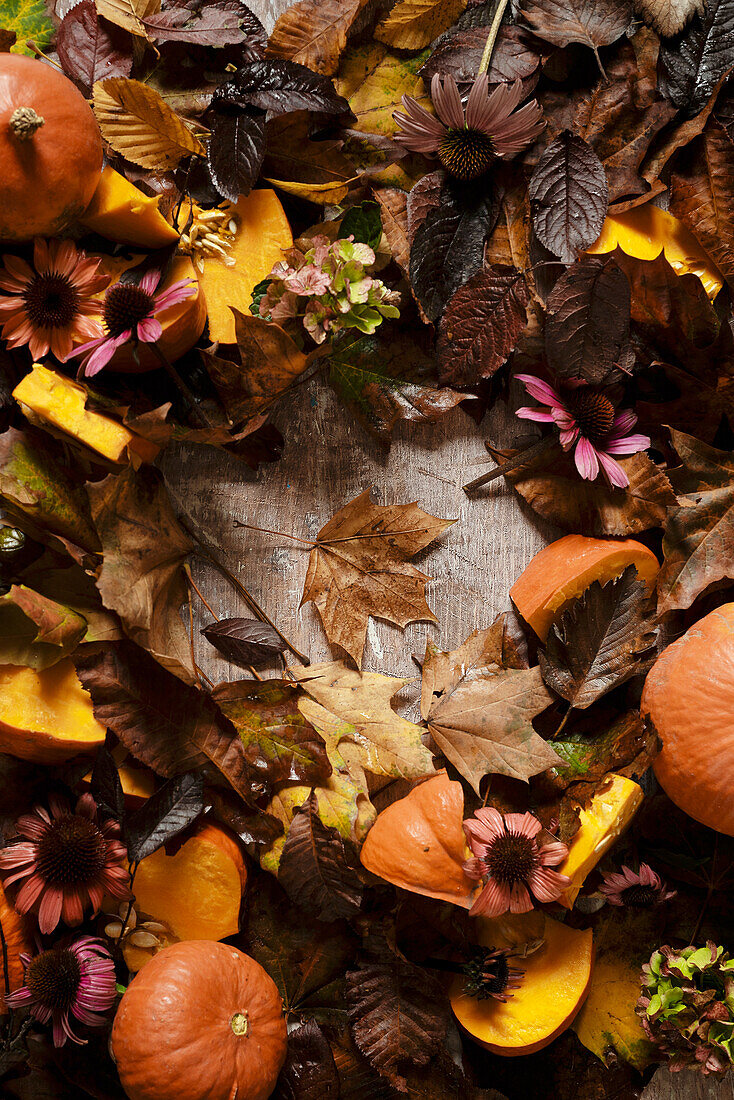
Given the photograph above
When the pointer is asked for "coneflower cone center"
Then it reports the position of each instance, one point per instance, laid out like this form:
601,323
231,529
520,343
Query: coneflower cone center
487,973
466,154
53,978
593,412
51,301
125,306
511,858
71,852
639,896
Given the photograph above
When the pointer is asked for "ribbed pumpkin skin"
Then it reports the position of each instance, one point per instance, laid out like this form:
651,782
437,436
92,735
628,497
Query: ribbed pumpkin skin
172,1037
418,843
48,179
689,698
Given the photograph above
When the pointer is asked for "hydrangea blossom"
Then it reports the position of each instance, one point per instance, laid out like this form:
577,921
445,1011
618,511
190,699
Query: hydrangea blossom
328,288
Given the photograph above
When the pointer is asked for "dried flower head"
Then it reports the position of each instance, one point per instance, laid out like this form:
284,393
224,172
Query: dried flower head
68,860
328,288
489,974
638,889
515,866
74,979
685,1006
467,137
588,424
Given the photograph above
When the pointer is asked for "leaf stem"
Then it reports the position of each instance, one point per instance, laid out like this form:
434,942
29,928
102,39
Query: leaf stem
513,463
492,38
214,615
4,942
565,718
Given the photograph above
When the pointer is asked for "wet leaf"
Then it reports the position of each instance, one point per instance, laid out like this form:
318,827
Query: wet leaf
90,49
35,630
413,24
593,23
309,1072
314,33
568,196
360,567
207,23
279,743
245,641
481,324
279,87
27,19
106,786
603,639
701,196
235,152
139,124
166,813
316,870
693,63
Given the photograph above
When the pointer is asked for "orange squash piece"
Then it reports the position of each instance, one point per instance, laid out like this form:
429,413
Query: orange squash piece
194,894
418,843
561,572
261,237
138,782
46,715
18,933
689,700
555,983
120,212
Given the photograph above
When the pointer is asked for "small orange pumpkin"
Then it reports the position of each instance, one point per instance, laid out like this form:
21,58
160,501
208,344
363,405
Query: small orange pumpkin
418,843
202,1019
689,699
50,149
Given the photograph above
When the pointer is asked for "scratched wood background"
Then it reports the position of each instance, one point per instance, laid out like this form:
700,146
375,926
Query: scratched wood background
328,460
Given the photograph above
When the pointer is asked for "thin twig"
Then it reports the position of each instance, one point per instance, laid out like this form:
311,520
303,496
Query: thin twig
511,464
492,38
565,718
6,978
133,871
200,672
214,615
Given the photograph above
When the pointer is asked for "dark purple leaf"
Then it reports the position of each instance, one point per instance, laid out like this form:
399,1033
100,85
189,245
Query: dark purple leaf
422,197
165,814
279,87
106,786
236,151
568,196
253,826
448,247
459,52
92,49
692,64
587,327
309,1072
245,641
208,23
481,325
317,870
592,23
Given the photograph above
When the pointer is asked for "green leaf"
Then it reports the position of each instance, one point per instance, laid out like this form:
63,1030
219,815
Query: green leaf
364,223
36,631
29,20
258,293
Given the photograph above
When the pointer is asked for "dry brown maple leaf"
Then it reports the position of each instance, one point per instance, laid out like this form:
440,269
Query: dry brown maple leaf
360,567
480,705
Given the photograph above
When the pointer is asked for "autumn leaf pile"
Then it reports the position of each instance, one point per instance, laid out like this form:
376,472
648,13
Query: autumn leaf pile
497,277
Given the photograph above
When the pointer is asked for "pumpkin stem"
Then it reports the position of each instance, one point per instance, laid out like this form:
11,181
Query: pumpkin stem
239,1023
24,122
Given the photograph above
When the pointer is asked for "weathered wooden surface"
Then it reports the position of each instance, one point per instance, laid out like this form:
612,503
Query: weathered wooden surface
328,460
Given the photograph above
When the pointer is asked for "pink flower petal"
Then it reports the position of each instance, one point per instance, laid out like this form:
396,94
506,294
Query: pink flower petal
630,445
526,824
447,101
49,911
546,884
539,389
613,472
553,853
493,900
540,417
587,462
520,900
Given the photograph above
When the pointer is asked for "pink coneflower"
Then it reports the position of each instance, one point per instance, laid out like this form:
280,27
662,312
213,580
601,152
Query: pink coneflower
130,312
74,980
68,860
468,137
489,974
588,422
46,306
507,853
639,889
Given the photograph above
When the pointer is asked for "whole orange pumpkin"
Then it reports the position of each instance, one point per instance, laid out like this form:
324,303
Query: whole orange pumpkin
689,700
50,149
200,1020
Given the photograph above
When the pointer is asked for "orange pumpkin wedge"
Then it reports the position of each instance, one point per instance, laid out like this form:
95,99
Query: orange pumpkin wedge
689,700
45,714
562,571
193,894
555,983
121,212
418,843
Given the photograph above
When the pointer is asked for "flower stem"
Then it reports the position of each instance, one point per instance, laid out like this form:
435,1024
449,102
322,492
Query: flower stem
492,38
6,978
183,388
513,463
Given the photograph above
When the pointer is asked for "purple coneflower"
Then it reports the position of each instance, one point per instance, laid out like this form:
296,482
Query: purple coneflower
639,889
468,137
68,860
130,311
507,853
489,974
77,980
589,423
50,304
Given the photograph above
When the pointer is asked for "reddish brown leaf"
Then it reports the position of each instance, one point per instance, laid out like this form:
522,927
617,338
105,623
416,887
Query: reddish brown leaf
394,211
480,326
459,52
568,196
314,33
90,49
593,23
703,198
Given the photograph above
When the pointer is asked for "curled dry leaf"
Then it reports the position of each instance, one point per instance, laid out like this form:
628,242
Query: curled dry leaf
213,23
593,23
568,196
413,24
394,214
668,17
314,33
141,126
360,567
35,630
245,641
127,14
701,195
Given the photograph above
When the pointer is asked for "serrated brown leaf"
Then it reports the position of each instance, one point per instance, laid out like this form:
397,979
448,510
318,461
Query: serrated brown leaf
601,641
481,324
394,212
459,52
309,1071
692,65
593,23
587,327
697,545
702,197
413,24
90,49
141,576
668,17
555,491
141,126
568,196
317,870
279,743
314,33
360,567
168,725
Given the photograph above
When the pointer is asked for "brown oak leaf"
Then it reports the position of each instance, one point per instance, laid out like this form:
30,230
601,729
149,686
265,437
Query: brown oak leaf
360,567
